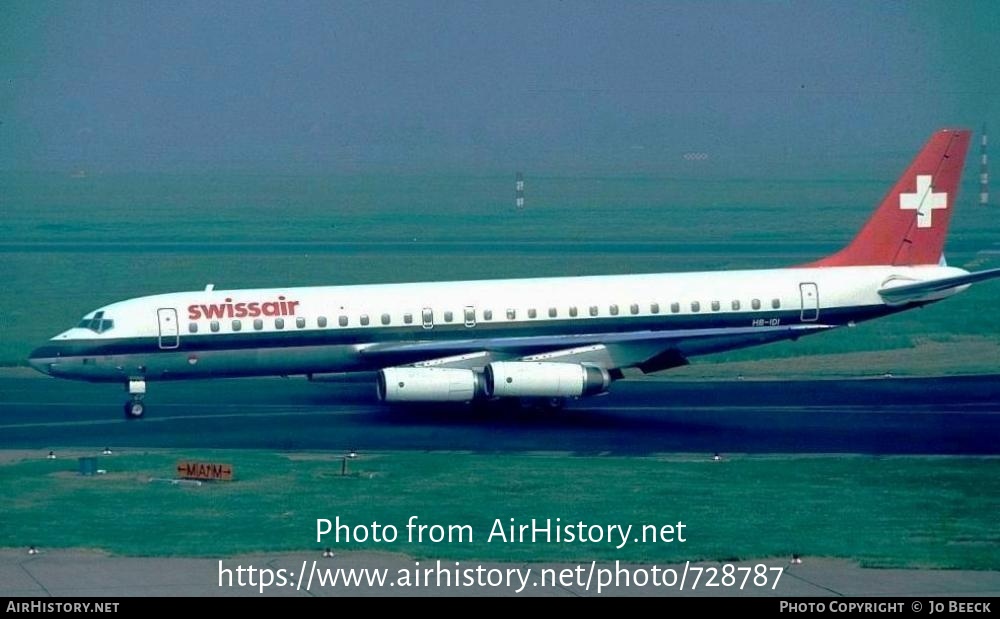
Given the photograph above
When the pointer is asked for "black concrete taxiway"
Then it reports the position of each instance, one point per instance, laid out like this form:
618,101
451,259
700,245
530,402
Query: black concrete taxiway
958,415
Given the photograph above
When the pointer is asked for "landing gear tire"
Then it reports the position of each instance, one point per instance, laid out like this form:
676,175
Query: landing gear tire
134,409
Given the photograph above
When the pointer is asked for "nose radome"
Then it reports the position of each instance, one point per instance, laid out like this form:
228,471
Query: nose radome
42,360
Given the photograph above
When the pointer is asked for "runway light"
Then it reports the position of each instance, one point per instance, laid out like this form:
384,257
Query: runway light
796,560
328,553
32,550
51,456
716,457
107,451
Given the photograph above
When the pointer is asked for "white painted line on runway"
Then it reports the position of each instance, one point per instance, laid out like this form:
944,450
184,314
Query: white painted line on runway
96,422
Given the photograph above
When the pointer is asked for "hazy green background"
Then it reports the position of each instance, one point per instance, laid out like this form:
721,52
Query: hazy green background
445,86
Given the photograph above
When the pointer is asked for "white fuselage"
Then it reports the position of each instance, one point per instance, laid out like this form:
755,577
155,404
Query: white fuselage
313,330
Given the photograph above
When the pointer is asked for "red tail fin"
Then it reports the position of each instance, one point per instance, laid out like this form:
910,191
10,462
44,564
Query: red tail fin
911,223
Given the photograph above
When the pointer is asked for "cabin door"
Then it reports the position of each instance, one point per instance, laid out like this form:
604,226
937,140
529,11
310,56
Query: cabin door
810,301
169,332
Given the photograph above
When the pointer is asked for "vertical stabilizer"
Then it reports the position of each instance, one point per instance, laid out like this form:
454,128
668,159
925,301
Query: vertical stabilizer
911,223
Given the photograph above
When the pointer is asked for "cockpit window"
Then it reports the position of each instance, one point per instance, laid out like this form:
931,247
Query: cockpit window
98,323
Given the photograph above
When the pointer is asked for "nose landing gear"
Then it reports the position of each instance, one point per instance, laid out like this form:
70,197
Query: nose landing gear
134,408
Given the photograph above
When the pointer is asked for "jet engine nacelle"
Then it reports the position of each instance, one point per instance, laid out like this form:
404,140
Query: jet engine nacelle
429,385
544,379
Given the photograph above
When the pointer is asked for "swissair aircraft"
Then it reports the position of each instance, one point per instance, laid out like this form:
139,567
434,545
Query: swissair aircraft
544,338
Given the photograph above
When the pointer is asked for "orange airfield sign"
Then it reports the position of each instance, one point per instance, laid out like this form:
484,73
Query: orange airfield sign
208,471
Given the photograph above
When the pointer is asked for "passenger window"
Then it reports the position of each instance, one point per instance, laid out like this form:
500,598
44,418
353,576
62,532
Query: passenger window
552,312
755,304
236,325
675,308
258,324
654,308
487,314
532,313
736,304
320,322
279,323
715,306
192,327
775,303
593,310
470,317
408,318
364,320
300,322
695,306
634,309
511,314
385,319
342,321
572,312
613,310
448,317
427,316
214,326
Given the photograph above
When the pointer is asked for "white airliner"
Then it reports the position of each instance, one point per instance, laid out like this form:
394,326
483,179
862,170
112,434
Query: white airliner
544,338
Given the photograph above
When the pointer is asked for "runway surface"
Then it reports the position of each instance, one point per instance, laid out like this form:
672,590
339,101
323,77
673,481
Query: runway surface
872,416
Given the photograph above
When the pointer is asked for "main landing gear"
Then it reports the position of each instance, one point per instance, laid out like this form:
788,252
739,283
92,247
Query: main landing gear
134,408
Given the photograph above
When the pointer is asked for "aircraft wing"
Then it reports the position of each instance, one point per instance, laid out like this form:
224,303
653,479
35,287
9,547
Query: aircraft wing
650,350
928,290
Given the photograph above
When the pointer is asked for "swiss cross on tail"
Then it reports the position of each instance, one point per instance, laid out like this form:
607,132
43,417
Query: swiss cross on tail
924,201
928,186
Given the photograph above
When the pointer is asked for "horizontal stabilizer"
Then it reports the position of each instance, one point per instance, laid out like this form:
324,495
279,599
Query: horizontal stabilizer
922,291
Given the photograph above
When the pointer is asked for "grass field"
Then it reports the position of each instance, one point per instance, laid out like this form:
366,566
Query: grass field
69,245
900,511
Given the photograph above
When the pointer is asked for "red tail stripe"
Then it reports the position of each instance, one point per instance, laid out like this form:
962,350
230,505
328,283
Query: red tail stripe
907,230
